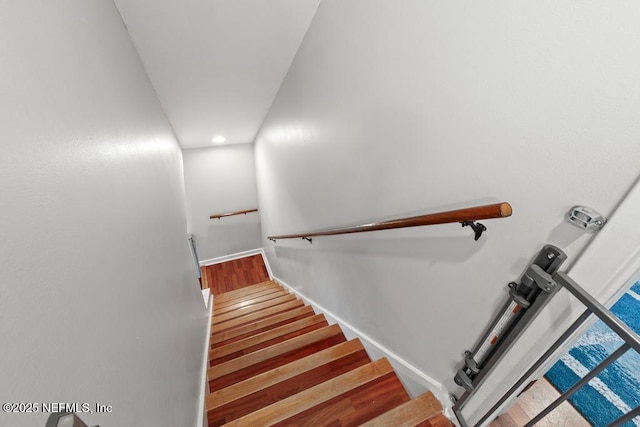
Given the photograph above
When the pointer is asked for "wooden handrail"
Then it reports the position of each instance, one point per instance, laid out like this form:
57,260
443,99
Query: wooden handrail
222,215
465,216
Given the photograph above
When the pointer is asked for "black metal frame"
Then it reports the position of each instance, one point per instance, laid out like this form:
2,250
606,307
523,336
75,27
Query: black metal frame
54,420
532,292
477,228
631,341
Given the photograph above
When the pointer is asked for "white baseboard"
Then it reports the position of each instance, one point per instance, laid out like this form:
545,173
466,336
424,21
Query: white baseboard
206,293
415,381
266,263
204,390
231,257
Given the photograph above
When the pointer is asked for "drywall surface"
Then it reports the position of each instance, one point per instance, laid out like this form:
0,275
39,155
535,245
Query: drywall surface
217,180
216,64
99,302
400,108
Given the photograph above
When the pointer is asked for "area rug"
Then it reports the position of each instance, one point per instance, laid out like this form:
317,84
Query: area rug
616,390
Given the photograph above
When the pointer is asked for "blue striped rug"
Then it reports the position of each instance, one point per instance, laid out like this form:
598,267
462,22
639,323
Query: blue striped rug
617,389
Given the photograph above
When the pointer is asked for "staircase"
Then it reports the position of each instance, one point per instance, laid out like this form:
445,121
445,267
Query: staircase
273,361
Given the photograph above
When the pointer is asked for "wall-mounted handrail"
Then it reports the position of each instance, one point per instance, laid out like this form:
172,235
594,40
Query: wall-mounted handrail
222,215
466,216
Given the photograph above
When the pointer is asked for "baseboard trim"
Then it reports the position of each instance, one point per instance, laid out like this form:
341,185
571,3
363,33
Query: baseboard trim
206,293
231,257
266,263
415,381
204,389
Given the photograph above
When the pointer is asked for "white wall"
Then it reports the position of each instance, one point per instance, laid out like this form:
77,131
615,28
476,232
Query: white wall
393,109
99,301
216,64
218,180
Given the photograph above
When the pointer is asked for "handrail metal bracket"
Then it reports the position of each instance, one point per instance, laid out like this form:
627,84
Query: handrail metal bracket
586,218
308,239
478,228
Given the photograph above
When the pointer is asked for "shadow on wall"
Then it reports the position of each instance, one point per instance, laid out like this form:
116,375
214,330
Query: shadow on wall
430,249
367,258
562,235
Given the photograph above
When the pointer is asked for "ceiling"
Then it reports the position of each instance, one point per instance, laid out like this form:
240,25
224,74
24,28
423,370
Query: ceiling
216,65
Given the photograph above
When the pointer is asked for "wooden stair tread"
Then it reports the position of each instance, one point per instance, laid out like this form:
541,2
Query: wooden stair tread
308,399
412,413
268,364
244,311
281,332
259,326
356,406
438,421
274,385
281,373
250,318
272,351
263,292
246,290
254,299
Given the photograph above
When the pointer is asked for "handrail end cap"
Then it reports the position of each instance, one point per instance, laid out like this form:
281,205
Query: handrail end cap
505,209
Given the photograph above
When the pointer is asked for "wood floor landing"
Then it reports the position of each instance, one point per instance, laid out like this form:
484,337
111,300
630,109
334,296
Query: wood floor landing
231,275
273,361
533,401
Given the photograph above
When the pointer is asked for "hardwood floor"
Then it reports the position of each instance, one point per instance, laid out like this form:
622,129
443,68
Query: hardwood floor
235,274
532,402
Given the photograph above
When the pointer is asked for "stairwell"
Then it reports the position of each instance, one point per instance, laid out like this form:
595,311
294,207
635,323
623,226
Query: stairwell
273,361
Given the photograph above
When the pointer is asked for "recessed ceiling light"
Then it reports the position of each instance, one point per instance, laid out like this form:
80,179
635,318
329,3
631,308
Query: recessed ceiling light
219,139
